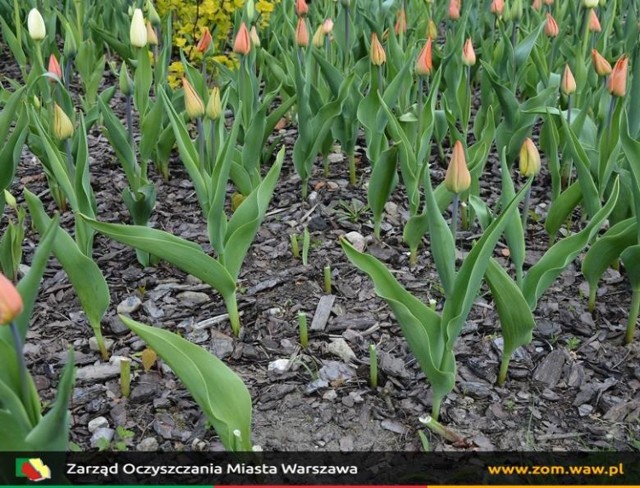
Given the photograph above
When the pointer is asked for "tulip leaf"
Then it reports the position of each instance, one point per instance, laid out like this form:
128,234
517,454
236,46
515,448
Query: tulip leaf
119,140
381,183
514,233
562,207
557,258
218,391
631,259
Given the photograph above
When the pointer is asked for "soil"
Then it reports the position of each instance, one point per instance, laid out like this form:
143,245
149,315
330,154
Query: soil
575,387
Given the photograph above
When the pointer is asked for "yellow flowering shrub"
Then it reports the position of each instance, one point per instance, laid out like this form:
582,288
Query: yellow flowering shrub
215,15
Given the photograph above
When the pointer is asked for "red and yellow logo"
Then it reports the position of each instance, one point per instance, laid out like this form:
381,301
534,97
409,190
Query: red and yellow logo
33,469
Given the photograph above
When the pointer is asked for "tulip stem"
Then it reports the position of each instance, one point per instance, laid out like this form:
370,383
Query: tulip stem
70,166
420,104
213,146
454,215
569,110
346,36
129,116
437,428
380,80
352,169
633,316
67,72
22,367
525,210
201,152
612,106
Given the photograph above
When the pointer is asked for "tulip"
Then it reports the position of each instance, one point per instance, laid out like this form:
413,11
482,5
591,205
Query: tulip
454,9
70,46
255,39
327,26
458,179
205,41
600,64
537,5
302,33
568,85
497,7
318,37
594,23
62,126
152,37
378,56
124,81
138,30
618,80
468,54
192,101
589,3
10,302
401,23
529,159
424,63
250,9
547,2
153,14
302,8
35,24
242,43
551,27
432,29
54,67
214,105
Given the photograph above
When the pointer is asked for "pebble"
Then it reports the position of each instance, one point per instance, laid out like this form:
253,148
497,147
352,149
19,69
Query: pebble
335,371
129,305
93,344
193,297
97,423
221,344
340,348
550,395
357,240
153,310
148,444
279,366
330,395
102,433
99,372
117,326
585,410
316,385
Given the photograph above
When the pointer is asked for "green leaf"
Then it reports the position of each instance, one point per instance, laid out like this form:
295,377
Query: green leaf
119,141
218,391
558,257
143,78
631,259
513,232
562,207
381,183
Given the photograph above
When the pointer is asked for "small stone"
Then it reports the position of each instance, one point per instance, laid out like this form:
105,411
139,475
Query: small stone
279,366
99,372
585,410
313,198
475,389
316,385
550,395
193,297
336,371
356,240
395,427
148,444
550,370
153,310
192,280
93,344
330,395
129,305
143,391
97,423
391,209
221,344
340,348
117,326
102,433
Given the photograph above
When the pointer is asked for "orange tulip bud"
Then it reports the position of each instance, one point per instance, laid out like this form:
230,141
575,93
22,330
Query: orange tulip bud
10,301
568,84
302,34
551,28
54,67
529,159
594,23
192,102
327,26
547,2
378,56
302,8
601,65
468,54
618,80
497,7
401,23
537,5
424,63
205,41
454,9
458,178
152,37
242,43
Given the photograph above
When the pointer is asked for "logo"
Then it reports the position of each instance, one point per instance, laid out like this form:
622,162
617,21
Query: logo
33,469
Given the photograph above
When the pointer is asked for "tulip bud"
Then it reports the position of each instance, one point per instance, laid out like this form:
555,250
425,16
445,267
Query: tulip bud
497,7
302,34
401,22
318,37
10,200
255,38
377,55
454,9
62,126
302,8
54,68
468,54
138,31
589,3
424,63
10,301
432,29
327,26
205,41
192,101
537,5
35,24
152,37
345,3
152,13
529,159
458,178
568,84
37,104
125,82
214,105
515,12
618,80
600,65
547,2
551,28
594,23
242,43
250,9
70,46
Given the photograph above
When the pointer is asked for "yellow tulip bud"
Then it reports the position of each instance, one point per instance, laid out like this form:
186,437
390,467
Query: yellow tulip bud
214,105
529,159
62,126
458,178
192,101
